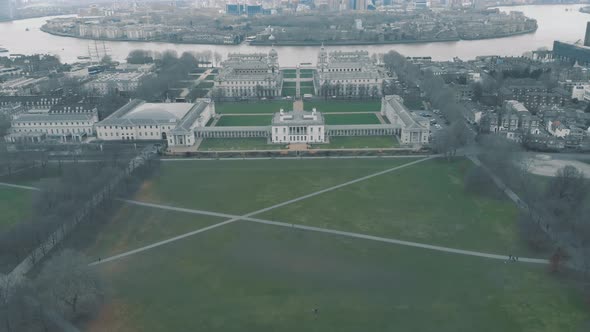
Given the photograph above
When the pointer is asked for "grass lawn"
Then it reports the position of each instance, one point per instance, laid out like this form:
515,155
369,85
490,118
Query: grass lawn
266,107
306,84
206,84
307,90
244,120
15,206
360,142
250,277
346,119
242,186
133,227
222,144
292,91
306,74
289,84
344,106
289,74
423,203
289,91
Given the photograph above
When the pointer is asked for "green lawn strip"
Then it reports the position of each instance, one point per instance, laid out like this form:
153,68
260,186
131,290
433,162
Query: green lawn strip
306,84
344,106
289,84
251,277
206,84
244,120
242,186
222,144
133,227
306,90
338,142
349,119
424,203
289,91
15,206
266,107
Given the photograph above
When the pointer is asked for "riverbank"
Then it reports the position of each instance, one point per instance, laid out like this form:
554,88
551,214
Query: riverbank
347,42
506,35
301,43
61,34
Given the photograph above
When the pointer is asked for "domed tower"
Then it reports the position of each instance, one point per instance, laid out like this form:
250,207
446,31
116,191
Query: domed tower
322,59
273,61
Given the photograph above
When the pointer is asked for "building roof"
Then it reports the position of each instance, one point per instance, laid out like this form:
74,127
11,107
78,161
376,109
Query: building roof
405,116
53,117
294,118
138,112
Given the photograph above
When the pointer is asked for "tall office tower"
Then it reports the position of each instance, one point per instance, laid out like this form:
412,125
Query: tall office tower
6,10
587,36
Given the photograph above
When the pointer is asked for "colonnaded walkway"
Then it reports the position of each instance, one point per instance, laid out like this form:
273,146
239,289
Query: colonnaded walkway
248,217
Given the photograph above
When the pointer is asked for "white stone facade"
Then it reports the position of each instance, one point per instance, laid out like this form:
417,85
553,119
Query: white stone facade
250,75
414,129
173,122
298,127
347,74
64,126
121,82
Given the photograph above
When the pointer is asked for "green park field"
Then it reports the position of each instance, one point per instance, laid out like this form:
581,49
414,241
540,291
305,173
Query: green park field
15,206
266,107
244,120
224,144
247,276
344,106
359,142
349,119
291,91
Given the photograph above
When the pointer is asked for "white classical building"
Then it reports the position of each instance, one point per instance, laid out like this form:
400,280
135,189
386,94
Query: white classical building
309,127
347,74
72,123
120,82
298,127
250,75
414,129
173,122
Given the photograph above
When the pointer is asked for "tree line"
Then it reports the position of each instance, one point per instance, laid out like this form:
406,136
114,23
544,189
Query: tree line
65,289
440,96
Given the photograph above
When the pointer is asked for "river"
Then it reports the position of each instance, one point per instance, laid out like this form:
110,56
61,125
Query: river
553,20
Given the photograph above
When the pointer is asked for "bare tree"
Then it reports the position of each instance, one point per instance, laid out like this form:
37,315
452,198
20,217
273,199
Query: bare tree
69,285
217,58
450,139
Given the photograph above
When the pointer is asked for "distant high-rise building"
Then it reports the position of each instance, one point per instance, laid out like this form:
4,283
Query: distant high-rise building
6,10
421,4
587,36
357,4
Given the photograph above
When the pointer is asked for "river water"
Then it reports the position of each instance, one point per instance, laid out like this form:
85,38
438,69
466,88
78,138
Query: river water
561,22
